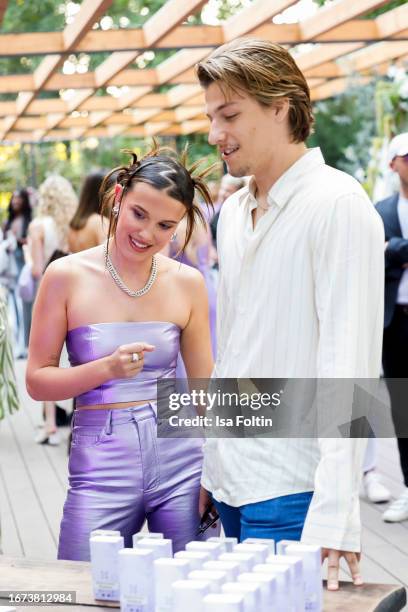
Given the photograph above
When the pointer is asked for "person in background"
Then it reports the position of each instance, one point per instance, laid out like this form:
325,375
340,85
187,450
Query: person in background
88,227
229,185
19,215
48,240
373,488
200,254
394,213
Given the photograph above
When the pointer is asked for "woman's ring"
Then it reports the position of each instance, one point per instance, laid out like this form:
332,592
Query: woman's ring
135,357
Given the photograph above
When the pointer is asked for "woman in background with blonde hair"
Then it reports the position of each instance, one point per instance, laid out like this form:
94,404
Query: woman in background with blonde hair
48,240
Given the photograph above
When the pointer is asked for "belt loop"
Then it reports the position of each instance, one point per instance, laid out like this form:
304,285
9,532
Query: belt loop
152,408
108,426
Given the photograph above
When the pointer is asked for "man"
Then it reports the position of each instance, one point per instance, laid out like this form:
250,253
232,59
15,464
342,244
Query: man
394,213
300,296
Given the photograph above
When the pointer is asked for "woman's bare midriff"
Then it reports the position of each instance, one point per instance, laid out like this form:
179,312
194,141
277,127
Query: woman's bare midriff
117,405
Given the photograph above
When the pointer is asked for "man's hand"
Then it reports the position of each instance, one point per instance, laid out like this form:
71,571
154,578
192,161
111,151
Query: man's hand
333,566
205,502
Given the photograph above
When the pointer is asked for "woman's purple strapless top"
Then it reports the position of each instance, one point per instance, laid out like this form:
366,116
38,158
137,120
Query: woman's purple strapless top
91,342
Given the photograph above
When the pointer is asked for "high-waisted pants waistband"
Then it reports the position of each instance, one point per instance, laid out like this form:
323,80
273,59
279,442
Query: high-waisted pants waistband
121,473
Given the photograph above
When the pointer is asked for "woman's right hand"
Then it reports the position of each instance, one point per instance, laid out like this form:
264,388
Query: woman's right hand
122,363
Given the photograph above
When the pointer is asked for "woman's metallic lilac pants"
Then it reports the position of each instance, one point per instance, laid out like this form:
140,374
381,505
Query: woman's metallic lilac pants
121,473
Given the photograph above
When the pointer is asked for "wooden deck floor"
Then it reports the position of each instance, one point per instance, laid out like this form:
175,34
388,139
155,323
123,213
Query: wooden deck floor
33,482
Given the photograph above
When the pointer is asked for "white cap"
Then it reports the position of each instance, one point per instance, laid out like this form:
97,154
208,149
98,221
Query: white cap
398,146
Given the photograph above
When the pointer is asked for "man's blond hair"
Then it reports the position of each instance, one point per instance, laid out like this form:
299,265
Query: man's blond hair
265,71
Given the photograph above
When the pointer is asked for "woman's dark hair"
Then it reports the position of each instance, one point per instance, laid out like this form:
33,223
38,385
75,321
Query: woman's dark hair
89,200
25,211
164,170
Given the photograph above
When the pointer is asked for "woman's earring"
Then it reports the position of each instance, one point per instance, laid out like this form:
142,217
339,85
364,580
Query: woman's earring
115,211
174,236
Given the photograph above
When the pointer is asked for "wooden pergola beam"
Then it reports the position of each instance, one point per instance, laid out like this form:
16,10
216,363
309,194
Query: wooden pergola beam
180,62
171,14
321,54
375,55
392,23
333,88
253,16
332,16
339,50
90,12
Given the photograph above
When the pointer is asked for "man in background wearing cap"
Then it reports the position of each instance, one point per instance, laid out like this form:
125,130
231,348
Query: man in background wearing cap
394,213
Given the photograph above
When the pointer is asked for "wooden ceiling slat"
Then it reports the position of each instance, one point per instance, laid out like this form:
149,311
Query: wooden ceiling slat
135,77
393,22
321,54
179,62
332,88
90,12
171,14
16,82
7,108
351,31
70,81
253,16
335,14
192,36
28,42
375,54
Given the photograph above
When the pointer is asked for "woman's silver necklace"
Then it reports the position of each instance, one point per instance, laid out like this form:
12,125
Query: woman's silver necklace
114,274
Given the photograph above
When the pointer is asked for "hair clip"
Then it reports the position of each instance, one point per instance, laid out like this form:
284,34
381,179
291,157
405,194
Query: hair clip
118,190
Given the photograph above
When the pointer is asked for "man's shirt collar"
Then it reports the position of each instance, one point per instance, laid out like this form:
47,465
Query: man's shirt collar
282,191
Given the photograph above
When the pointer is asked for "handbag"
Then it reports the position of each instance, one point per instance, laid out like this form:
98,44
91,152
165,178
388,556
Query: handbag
26,284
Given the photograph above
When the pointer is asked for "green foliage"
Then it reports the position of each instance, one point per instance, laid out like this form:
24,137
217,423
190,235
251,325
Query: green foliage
30,16
388,6
344,128
74,160
9,400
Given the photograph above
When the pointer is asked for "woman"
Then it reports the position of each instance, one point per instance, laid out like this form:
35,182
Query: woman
87,227
47,240
126,310
18,220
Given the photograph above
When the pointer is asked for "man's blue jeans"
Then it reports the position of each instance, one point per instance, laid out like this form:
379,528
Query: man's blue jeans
281,518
